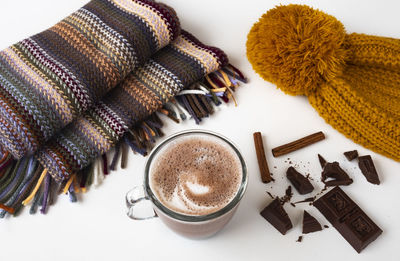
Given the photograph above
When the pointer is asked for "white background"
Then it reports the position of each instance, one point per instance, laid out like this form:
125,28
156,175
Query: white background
97,228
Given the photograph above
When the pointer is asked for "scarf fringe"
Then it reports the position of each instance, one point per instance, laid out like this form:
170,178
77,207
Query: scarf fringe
24,181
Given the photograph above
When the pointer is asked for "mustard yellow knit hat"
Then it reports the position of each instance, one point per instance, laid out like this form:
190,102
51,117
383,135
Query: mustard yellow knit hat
352,80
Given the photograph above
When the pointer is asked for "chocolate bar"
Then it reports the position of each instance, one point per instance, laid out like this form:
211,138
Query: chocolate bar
348,218
367,168
275,214
300,183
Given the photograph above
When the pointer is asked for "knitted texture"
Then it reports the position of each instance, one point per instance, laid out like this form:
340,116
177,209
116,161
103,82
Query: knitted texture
296,48
144,91
49,79
352,80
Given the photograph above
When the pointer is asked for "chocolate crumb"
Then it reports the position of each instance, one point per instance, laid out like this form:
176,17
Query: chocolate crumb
269,194
288,191
311,199
288,195
299,239
326,226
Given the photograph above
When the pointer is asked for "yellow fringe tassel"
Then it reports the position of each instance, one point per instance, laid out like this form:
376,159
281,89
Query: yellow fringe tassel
71,179
34,191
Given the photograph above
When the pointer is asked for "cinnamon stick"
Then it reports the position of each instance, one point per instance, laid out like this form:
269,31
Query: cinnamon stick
262,161
298,144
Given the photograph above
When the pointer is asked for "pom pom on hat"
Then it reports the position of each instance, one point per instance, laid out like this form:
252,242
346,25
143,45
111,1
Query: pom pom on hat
297,48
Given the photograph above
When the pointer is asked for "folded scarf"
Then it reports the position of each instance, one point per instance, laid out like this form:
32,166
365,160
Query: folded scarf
49,79
185,76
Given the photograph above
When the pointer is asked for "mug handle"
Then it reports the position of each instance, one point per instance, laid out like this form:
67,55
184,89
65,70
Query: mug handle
135,200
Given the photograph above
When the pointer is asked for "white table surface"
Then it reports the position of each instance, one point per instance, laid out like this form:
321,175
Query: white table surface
97,228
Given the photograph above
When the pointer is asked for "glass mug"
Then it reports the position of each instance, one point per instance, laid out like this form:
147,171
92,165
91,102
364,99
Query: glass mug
192,226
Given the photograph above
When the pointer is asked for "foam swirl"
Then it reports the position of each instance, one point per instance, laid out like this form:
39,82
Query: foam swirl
196,175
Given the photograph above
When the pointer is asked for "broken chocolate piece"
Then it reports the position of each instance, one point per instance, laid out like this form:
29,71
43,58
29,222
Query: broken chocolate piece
334,175
275,214
348,218
322,161
310,224
367,168
350,155
300,183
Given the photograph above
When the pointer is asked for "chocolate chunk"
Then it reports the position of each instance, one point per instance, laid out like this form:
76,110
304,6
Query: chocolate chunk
300,183
322,161
350,155
336,175
367,168
310,224
275,214
299,239
348,218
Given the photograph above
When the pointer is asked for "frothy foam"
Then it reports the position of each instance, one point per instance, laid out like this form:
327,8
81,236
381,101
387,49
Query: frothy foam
196,175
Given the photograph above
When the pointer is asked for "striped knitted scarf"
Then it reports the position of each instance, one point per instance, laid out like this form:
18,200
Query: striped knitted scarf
185,79
49,79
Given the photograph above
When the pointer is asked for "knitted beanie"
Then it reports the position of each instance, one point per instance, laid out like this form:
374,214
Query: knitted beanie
352,80
51,78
